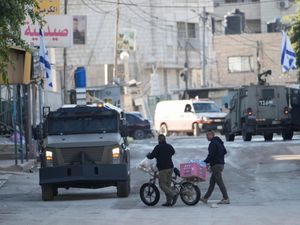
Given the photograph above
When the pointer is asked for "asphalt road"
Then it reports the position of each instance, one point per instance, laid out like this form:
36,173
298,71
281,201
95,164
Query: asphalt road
262,179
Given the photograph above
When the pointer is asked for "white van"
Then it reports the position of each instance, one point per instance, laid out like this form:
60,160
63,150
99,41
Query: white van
191,116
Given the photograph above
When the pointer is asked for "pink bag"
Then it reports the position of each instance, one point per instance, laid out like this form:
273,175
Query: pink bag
193,169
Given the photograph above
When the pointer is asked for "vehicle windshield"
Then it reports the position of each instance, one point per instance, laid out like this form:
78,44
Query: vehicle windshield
203,107
82,125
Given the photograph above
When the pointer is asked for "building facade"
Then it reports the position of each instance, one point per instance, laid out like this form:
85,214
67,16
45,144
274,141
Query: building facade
169,40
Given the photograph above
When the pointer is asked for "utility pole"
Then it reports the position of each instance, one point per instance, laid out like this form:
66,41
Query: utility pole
186,64
204,18
65,63
257,57
116,40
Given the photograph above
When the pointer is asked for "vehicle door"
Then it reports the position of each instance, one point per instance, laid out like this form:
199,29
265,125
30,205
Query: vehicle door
268,102
188,117
295,111
234,112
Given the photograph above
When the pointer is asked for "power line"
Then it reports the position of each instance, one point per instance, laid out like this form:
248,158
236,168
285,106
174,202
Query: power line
192,6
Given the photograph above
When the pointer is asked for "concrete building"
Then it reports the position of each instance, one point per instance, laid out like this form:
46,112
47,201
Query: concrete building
168,34
240,57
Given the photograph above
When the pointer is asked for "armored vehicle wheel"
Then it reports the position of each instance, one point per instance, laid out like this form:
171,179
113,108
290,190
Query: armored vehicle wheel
246,136
55,191
229,137
139,134
287,135
163,129
123,188
196,130
47,193
149,194
268,137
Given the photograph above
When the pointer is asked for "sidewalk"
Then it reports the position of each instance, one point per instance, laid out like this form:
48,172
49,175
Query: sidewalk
8,168
9,165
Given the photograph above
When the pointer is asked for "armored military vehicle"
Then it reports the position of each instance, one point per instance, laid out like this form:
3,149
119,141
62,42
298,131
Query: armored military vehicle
260,109
85,147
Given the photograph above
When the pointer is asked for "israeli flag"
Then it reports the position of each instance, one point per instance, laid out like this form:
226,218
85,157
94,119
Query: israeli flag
44,61
288,55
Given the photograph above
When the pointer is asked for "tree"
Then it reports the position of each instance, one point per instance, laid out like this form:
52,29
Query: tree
295,36
12,16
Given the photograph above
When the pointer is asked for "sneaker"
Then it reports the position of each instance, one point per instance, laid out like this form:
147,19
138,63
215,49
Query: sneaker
224,201
204,200
167,204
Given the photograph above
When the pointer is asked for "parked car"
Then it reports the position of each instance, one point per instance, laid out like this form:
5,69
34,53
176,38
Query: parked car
138,126
191,116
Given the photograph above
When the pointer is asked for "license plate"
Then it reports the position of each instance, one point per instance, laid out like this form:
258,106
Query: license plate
219,127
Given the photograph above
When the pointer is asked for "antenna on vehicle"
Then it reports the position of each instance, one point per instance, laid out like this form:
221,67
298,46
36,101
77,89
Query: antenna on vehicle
262,81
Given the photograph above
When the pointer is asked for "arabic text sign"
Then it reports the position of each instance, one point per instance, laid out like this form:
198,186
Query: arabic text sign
49,7
58,32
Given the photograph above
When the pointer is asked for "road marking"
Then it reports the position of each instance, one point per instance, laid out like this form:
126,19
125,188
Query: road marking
286,157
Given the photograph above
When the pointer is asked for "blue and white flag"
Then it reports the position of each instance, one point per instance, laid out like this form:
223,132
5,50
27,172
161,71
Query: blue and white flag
44,61
288,55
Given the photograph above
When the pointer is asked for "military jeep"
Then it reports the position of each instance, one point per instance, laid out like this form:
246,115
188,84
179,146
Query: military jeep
260,109
85,147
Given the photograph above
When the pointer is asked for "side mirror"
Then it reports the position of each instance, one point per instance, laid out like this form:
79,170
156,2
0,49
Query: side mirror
123,131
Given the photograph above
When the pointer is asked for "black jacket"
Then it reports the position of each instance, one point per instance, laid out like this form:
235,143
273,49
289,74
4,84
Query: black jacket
216,152
163,153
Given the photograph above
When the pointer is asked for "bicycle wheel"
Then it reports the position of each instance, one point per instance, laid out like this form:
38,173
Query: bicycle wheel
149,194
189,193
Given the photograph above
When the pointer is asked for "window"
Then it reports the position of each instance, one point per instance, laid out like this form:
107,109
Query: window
82,125
186,30
206,107
240,64
268,93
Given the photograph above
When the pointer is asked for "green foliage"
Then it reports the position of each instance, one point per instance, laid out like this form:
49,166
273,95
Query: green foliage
295,34
12,16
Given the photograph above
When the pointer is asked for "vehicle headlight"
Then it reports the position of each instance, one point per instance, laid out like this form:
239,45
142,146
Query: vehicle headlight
204,118
49,156
115,152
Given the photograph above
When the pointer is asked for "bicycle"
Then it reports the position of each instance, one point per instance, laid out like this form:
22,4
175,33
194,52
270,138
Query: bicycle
188,190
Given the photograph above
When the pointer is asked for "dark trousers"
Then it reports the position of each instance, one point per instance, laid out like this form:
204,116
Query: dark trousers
216,177
165,177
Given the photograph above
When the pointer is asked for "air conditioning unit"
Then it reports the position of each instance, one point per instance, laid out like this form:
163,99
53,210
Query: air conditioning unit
283,4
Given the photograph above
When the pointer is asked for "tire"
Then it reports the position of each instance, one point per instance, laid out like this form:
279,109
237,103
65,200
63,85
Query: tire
55,191
268,137
287,135
229,137
149,194
163,129
246,135
139,134
47,193
196,130
189,193
123,189
226,130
